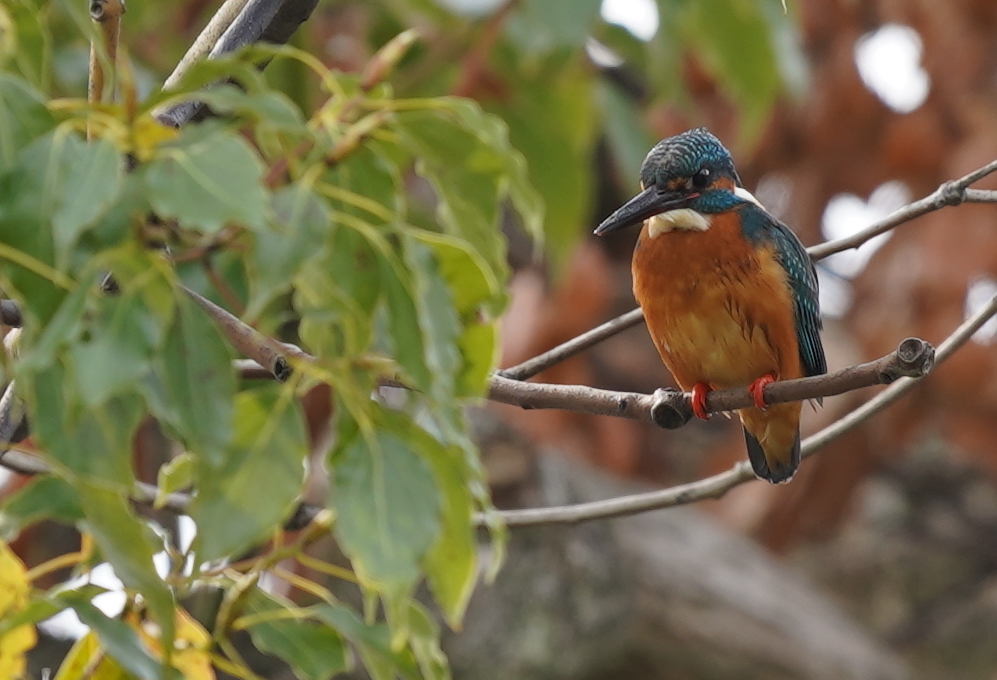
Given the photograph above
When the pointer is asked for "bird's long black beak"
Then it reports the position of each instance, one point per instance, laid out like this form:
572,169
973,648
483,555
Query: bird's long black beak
649,202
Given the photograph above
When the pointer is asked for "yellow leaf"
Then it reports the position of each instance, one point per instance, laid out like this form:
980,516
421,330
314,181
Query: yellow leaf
147,134
14,592
191,647
87,660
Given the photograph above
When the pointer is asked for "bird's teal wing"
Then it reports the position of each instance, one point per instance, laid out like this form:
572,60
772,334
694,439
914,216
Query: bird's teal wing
761,227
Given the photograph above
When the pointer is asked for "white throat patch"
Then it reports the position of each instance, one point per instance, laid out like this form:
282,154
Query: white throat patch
684,218
741,192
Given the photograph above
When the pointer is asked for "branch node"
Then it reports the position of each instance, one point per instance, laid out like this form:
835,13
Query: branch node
915,357
101,10
281,369
952,193
671,408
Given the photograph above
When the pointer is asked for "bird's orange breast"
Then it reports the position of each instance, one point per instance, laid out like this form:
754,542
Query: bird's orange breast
719,310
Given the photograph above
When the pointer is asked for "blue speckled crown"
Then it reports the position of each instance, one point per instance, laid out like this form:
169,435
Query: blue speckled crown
682,155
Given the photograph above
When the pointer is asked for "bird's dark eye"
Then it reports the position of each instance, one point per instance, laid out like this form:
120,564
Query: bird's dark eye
701,178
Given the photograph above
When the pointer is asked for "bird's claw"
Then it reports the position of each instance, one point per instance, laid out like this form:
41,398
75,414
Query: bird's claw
757,390
699,392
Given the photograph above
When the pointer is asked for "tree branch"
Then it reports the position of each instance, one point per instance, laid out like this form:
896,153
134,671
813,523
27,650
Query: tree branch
542,362
272,21
719,484
107,15
950,193
202,45
265,351
672,408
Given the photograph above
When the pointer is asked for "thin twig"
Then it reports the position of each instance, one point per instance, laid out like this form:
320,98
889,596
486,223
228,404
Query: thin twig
718,485
107,15
246,339
898,389
671,408
949,193
202,45
539,363
711,487
272,21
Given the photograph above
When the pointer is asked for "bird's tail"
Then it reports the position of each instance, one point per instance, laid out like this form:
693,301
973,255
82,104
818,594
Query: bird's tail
773,441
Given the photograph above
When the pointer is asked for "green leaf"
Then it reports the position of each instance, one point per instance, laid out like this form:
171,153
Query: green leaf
28,193
477,299
466,156
473,285
494,133
266,107
118,351
92,176
372,642
368,177
387,504
425,643
627,137
45,497
244,497
208,179
298,233
337,309
543,24
314,651
734,40
198,382
120,640
94,444
479,346
452,563
47,605
128,546
552,123
23,118
438,322
403,324
176,475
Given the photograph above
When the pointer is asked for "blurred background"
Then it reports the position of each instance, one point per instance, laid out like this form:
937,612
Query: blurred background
879,560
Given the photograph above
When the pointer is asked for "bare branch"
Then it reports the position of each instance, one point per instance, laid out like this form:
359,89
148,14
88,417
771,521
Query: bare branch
849,422
107,15
950,193
542,362
271,21
718,485
202,45
23,463
244,338
671,408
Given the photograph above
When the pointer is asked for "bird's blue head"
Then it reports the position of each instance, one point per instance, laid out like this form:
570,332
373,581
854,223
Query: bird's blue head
691,170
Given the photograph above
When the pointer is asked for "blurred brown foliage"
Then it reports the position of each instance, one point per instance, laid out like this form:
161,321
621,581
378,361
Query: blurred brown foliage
838,138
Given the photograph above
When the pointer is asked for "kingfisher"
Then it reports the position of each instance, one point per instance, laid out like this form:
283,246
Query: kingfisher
728,291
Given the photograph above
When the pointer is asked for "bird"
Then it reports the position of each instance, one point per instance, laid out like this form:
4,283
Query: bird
729,293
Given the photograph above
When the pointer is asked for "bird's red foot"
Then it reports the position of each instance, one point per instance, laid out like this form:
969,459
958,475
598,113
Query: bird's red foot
699,392
757,390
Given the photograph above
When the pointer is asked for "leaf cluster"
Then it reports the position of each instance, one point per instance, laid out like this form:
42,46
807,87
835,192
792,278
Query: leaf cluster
305,225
